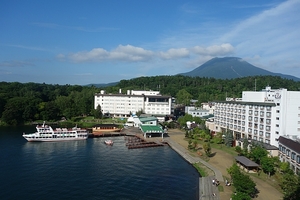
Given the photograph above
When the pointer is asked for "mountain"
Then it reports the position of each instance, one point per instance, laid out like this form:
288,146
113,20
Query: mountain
230,68
99,85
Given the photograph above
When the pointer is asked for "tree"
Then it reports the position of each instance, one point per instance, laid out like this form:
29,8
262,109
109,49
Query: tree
183,97
257,153
284,167
207,148
268,165
238,149
240,196
98,113
228,139
290,185
242,182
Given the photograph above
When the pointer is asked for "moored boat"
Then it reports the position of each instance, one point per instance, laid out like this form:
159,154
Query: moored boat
109,142
101,129
45,133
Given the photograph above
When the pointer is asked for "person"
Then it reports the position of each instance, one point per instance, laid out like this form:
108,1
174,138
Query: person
213,181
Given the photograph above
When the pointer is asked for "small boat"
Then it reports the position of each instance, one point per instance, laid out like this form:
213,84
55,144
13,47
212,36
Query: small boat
45,133
109,142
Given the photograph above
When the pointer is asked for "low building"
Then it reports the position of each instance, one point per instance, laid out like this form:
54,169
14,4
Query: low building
196,112
289,151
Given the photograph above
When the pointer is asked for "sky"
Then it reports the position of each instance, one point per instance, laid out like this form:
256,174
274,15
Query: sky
98,41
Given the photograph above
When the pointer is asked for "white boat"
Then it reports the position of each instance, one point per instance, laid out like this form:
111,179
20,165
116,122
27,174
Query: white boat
45,133
109,142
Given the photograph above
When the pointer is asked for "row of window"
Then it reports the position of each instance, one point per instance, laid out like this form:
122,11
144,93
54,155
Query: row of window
232,107
262,114
289,153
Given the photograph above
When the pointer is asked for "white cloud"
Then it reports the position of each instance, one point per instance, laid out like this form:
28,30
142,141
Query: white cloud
126,53
175,54
131,53
214,50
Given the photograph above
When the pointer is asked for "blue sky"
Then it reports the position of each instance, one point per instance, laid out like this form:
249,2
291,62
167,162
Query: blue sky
100,41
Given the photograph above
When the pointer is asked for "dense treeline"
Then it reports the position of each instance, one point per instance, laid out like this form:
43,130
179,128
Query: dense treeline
25,102
207,89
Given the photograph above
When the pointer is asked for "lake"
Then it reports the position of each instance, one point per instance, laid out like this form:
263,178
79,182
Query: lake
91,170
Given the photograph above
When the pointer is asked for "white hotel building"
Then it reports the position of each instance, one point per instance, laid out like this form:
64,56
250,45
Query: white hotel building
263,116
122,105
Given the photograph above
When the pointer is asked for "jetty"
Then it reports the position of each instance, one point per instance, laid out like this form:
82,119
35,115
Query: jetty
135,142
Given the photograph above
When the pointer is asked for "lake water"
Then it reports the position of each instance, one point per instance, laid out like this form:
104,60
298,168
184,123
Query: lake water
91,170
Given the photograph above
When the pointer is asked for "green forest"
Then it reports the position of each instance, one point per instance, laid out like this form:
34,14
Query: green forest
26,102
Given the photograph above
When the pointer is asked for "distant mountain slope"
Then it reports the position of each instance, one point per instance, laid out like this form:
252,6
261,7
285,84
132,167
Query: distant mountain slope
99,85
231,67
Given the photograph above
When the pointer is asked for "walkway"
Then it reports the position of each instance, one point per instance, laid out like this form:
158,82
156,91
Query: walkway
191,159
206,188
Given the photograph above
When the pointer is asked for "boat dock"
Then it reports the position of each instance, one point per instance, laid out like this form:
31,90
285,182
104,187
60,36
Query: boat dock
135,142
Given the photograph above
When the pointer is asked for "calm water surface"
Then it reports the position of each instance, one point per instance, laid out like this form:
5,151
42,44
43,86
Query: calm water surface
90,170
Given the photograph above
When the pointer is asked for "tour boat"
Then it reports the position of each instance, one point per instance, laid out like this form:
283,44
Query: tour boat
109,142
45,133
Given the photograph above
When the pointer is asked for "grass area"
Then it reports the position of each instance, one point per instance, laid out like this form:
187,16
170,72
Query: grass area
203,170
220,188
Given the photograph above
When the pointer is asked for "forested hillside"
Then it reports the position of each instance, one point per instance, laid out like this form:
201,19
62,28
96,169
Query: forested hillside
25,102
206,89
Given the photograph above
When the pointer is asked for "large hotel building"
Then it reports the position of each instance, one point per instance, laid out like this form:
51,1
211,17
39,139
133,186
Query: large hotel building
123,105
260,115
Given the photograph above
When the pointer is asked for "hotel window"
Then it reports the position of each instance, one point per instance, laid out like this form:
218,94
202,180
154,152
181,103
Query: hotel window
268,128
268,114
250,112
277,132
283,150
250,118
298,159
288,152
255,137
249,130
268,141
261,126
267,135
261,133
261,139
268,121
256,113
277,125
262,113
255,132
277,111
293,156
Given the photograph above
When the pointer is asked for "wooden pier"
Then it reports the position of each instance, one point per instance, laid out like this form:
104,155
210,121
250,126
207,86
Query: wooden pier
136,142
